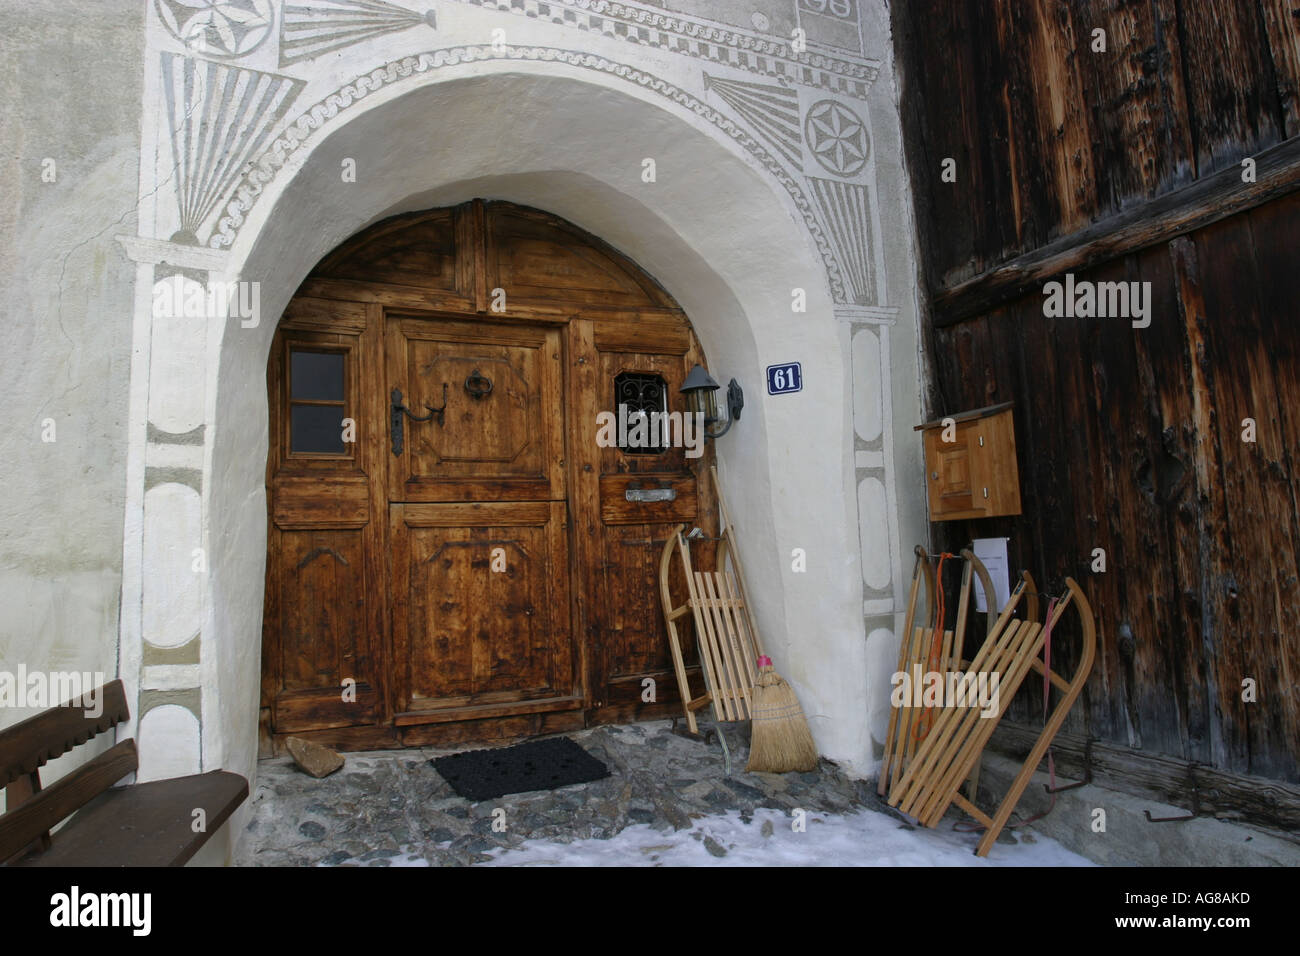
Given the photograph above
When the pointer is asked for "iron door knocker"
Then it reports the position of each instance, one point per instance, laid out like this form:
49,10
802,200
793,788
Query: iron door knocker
478,385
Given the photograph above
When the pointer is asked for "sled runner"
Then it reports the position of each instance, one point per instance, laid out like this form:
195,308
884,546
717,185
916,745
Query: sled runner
929,784
930,648
725,634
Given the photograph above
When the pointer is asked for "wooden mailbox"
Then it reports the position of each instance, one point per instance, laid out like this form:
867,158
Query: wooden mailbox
973,475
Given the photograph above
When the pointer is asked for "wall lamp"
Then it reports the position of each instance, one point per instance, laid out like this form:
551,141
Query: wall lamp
700,400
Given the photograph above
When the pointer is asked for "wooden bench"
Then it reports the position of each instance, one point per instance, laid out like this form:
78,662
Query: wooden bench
146,824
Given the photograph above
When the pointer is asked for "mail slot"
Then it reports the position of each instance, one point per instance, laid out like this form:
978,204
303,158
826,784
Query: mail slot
650,494
647,499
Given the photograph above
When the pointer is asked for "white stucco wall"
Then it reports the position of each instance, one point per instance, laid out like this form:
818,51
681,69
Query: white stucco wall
69,121
776,169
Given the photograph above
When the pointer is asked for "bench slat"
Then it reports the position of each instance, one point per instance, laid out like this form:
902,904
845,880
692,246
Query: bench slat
64,797
32,743
146,824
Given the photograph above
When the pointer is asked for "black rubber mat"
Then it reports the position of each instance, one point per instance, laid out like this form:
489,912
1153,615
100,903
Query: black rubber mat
536,765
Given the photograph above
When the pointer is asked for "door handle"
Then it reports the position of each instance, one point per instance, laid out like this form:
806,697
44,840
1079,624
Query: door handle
399,409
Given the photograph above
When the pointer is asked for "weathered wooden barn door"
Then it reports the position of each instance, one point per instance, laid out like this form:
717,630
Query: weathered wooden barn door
471,560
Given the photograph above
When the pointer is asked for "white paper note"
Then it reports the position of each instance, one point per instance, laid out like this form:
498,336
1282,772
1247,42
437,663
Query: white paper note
993,552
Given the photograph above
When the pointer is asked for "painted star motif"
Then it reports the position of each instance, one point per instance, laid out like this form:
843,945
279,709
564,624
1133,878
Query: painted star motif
223,28
837,138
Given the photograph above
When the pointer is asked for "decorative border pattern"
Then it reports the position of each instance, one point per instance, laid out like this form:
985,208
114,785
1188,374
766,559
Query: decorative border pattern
267,166
647,26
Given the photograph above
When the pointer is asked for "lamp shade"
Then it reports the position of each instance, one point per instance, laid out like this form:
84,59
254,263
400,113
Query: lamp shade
699,389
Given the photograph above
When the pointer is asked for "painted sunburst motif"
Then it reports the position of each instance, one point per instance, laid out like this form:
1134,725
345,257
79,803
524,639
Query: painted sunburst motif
221,28
837,137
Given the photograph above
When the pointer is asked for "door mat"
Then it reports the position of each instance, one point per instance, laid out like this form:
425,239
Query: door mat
536,765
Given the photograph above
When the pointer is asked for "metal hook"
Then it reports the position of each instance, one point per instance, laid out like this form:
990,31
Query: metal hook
1087,772
1196,802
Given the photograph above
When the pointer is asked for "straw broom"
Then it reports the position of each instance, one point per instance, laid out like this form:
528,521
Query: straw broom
780,739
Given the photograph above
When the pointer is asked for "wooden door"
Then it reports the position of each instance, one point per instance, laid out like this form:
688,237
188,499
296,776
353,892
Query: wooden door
325,609
478,565
479,518
631,498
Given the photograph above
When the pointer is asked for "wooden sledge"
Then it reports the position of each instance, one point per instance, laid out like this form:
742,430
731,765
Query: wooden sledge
909,725
725,634
929,784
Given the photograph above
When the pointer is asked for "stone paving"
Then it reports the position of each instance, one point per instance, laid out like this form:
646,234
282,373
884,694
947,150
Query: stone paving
390,807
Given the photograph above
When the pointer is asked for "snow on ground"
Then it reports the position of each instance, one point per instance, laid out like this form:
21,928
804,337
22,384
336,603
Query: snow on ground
855,839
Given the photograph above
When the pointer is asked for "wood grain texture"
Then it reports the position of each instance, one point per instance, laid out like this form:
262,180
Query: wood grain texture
146,824
1125,166
1050,136
30,744
1132,443
492,578
64,797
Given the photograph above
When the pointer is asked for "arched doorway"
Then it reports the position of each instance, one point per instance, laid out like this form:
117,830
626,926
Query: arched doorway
455,550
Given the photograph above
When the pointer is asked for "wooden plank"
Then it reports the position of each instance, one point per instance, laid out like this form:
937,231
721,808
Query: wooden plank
888,768
1275,231
147,824
643,331
582,402
65,796
444,715
1283,30
1141,141
392,296
307,314
1204,202
1231,95
617,508
320,501
1226,795
1252,547
31,743
494,731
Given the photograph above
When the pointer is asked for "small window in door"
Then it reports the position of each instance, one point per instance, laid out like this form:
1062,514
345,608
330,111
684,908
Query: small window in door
317,384
641,407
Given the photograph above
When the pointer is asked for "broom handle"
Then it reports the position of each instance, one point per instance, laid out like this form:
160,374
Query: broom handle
733,552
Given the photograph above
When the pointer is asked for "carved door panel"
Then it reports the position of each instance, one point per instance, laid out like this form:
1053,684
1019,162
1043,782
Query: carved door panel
500,436
481,612
325,607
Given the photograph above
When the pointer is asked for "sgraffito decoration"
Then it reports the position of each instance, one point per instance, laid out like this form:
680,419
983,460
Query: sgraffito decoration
773,111
327,25
837,138
224,29
219,116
